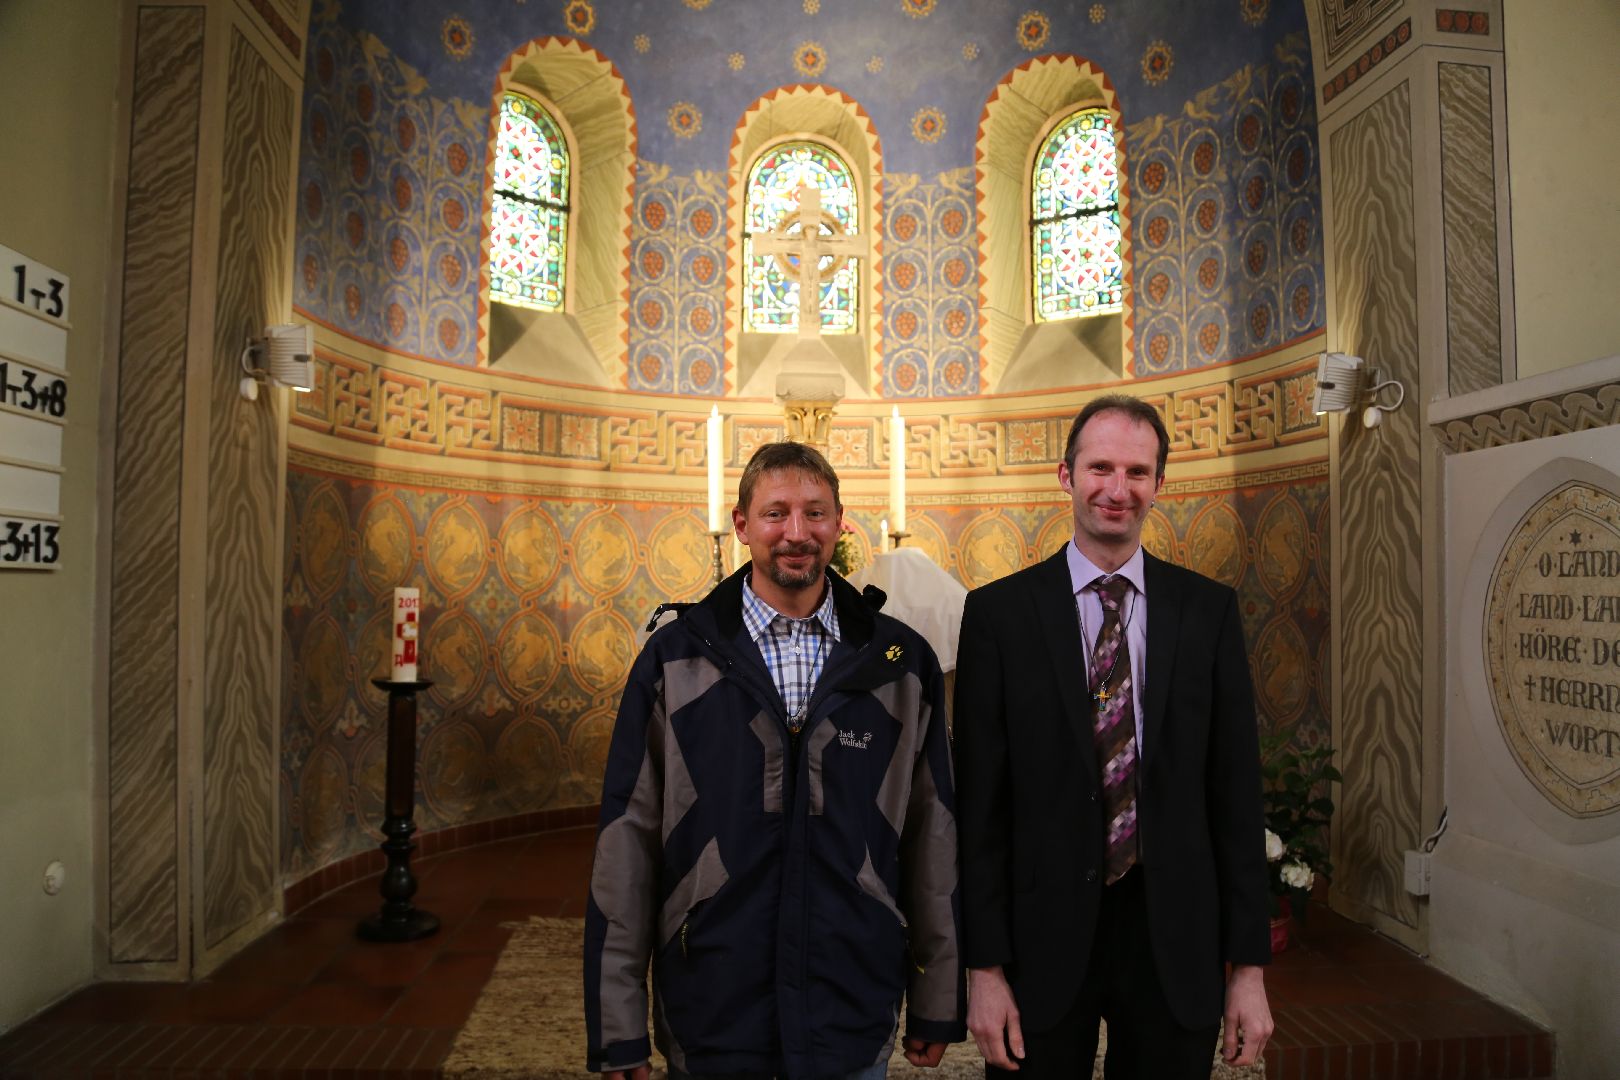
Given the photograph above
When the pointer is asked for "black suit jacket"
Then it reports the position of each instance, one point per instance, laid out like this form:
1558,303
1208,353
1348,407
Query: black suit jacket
1029,808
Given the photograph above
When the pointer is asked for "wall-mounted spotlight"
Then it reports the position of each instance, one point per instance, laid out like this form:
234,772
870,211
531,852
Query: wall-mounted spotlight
283,357
1343,382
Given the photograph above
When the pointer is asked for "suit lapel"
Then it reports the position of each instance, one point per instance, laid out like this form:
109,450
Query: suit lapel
1163,628
1060,629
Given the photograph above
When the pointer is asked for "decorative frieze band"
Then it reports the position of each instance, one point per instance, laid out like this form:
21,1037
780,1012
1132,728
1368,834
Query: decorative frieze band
1368,60
278,26
1579,410
357,401
1457,21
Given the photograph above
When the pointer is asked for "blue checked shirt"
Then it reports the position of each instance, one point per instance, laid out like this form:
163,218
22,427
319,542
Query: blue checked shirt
795,650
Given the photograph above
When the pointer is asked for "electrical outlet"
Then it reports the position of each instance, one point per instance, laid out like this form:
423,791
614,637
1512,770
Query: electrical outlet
1417,872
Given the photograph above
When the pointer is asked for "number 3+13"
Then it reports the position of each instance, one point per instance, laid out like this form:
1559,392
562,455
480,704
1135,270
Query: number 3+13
37,544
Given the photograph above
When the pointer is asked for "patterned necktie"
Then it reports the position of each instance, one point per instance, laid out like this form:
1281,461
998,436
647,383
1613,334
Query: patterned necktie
1115,732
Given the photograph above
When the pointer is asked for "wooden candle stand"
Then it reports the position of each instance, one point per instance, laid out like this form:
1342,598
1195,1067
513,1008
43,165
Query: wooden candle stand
399,919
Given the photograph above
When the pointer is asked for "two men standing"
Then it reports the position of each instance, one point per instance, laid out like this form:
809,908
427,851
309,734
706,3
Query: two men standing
780,830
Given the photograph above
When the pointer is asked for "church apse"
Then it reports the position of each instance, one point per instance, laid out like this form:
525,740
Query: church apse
543,520
536,575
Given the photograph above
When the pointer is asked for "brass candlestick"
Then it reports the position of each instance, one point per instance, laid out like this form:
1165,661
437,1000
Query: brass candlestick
895,538
719,555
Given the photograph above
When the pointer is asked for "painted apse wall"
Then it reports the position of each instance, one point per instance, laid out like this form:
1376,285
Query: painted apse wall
543,520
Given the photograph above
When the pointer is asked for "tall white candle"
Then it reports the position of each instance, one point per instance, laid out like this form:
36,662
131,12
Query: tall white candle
883,537
407,621
714,469
897,470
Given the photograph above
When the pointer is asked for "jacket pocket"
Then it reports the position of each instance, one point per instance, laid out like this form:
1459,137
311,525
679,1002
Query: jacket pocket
707,876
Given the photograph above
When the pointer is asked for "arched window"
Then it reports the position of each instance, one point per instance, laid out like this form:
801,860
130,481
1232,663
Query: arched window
528,249
1076,264
771,290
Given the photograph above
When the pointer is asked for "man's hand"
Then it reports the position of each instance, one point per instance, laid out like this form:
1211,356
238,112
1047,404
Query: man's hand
1248,1018
993,1017
638,1072
924,1055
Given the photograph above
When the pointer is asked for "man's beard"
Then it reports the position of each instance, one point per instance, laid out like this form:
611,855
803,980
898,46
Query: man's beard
787,579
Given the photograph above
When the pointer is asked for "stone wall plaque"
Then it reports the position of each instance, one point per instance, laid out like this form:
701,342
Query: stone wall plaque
1552,647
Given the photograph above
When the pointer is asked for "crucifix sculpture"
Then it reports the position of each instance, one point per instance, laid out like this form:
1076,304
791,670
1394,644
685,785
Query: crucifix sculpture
811,380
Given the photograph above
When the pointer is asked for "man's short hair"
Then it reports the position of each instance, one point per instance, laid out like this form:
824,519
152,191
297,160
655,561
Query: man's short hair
1133,407
785,457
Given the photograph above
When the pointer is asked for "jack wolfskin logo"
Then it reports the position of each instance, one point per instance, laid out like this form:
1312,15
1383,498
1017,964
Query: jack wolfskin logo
894,652
853,741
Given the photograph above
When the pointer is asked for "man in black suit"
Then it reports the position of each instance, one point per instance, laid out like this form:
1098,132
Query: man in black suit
1108,792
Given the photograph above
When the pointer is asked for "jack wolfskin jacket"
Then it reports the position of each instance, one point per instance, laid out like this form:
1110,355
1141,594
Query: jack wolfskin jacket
788,889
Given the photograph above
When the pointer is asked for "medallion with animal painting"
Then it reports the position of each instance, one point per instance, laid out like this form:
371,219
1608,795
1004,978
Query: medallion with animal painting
1159,536
374,650
454,648
457,547
531,550
387,543
1216,544
529,764
604,552
927,535
454,771
601,648
588,749
324,541
680,556
371,778
1282,546
318,812
1282,667
991,548
323,662
1057,530
530,654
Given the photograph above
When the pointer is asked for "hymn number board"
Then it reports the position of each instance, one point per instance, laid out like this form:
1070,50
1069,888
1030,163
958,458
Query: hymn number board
35,303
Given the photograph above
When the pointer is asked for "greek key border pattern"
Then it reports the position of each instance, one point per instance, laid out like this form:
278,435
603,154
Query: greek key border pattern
1580,410
375,406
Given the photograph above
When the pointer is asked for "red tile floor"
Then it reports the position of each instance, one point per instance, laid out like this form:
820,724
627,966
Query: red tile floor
308,999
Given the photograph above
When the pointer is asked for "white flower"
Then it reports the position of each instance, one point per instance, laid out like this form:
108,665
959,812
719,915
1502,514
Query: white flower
1274,846
1296,875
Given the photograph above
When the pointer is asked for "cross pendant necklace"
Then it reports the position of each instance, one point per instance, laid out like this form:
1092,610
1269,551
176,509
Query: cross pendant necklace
1102,695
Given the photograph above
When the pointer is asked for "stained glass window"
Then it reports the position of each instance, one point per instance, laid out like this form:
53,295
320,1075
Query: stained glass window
770,296
1074,225
528,232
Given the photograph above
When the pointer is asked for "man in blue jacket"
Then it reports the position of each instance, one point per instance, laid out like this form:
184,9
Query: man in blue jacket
778,833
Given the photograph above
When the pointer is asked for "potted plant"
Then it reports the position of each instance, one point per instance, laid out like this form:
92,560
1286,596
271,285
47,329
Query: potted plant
1298,808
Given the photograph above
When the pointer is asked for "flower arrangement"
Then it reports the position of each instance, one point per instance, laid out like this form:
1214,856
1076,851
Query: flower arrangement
845,556
1298,808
